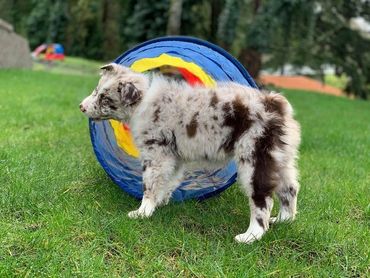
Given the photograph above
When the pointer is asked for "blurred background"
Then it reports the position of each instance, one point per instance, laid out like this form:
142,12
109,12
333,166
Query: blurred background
320,45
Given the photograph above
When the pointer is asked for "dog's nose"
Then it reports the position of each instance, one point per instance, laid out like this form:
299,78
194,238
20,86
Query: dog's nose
82,108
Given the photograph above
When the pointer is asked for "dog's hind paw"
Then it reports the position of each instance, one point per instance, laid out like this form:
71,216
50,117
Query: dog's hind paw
273,220
280,219
252,234
248,238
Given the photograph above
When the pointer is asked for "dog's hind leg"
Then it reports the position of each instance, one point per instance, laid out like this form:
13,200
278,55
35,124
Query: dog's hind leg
160,178
287,191
259,192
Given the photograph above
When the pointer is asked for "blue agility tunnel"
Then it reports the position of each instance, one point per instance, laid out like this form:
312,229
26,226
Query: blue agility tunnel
196,61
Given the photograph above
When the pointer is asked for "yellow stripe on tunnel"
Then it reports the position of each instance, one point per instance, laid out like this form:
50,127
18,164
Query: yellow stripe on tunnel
167,60
123,137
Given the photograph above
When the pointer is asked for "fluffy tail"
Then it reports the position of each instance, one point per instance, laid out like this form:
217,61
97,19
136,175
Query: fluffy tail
276,103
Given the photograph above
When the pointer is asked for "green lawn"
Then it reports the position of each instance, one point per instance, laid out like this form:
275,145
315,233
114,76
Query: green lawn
60,215
70,65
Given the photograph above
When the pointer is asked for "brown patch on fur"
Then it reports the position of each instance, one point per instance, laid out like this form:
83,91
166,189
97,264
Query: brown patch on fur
286,195
284,201
191,128
260,222
166,99
174,147
150,142
265,167
214,99
243,160
292,191
226,108
146,163
238,119
130,95
164,141
120,86
156,114
274,103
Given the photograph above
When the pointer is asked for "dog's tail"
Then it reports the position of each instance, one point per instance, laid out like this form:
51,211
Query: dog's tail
277,103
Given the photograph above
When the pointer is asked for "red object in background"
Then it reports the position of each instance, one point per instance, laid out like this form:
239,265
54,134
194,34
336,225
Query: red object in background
54,56
54,51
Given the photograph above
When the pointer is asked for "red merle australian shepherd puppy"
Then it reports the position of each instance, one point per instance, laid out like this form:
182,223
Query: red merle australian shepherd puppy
175,125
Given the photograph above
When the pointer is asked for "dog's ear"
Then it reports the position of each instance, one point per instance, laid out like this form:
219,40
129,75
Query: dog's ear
108,67
129,93
114,68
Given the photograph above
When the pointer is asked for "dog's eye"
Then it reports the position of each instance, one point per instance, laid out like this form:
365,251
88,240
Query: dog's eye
100,99
105,100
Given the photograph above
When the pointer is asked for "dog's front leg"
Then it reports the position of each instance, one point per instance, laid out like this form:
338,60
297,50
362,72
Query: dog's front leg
157,177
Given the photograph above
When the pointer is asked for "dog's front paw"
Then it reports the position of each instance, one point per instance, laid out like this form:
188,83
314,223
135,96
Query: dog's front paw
134,214
146,210
139,214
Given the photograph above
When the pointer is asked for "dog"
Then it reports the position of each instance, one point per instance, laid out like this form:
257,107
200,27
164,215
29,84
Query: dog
174,125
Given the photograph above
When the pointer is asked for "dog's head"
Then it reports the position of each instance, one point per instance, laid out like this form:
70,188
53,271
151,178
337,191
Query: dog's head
118,91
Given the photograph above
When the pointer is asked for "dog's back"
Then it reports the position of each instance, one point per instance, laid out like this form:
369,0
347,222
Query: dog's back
208,123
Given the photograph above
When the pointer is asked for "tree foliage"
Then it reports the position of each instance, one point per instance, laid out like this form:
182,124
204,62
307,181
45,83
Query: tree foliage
261,33
343,46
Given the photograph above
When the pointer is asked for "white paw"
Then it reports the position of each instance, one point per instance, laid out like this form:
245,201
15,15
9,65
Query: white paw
254,232
273,220
248,237
140,214
281,218
134,214
146,209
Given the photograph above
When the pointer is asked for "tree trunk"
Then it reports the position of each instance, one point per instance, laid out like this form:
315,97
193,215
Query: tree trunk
252,60
216,9
110,29
174,18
